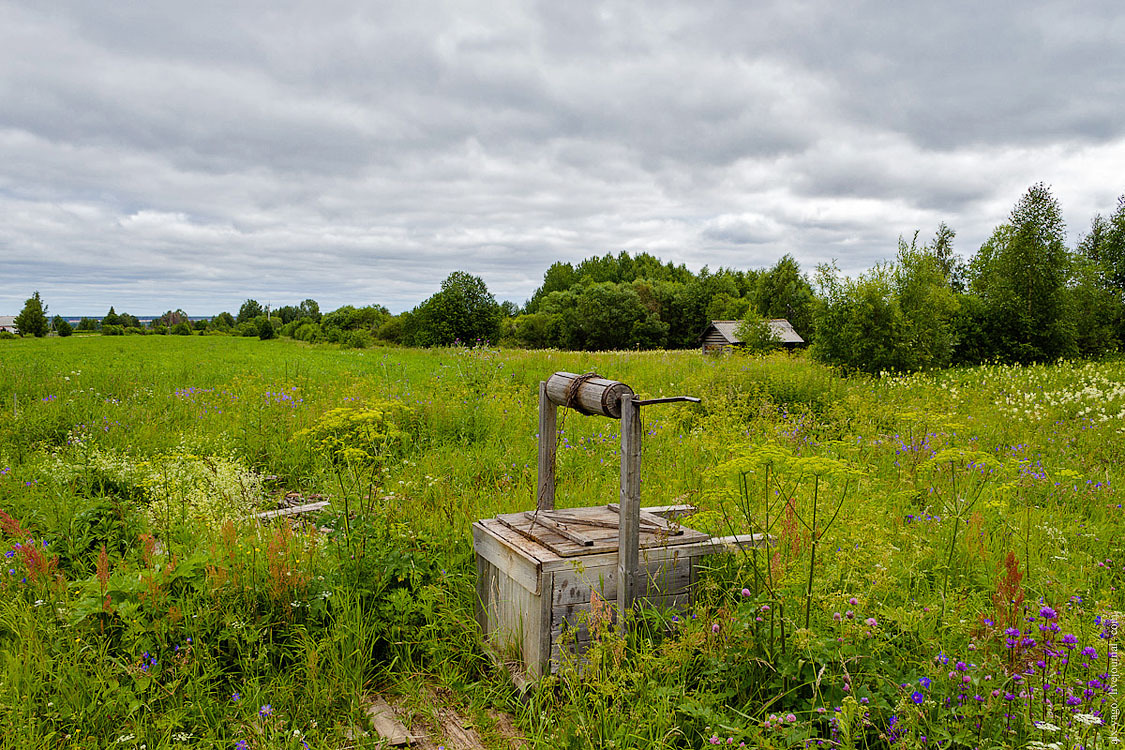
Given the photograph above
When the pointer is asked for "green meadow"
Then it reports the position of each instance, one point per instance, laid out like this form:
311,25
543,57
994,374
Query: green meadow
945,568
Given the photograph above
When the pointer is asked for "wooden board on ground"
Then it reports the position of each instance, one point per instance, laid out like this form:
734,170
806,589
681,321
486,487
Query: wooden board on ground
459,734
385,724
293,511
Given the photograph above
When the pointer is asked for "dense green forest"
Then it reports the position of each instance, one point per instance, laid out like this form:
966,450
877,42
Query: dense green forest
1024,296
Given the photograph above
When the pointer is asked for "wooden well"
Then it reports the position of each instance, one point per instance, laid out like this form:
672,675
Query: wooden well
544,577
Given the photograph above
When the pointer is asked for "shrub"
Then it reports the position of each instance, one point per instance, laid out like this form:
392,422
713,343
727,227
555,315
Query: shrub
309,332
112,330
757,336
356,340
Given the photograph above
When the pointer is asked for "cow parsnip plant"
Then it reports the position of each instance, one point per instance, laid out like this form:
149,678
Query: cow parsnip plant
358,434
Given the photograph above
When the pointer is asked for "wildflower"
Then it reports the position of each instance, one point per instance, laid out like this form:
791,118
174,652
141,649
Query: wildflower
871,622
1047,613
715,627
917,697
235,697
745,592
790,718
1087,719
265,711
1090,652
1070,640
924,682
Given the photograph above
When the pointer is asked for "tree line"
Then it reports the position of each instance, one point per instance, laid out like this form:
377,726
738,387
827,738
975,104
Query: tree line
1024,296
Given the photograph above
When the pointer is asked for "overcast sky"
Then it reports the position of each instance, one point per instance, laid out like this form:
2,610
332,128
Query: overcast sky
158,155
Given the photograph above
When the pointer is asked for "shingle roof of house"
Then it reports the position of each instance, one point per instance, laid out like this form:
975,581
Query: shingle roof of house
781,328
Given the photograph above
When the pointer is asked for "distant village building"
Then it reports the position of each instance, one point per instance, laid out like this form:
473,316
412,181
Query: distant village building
8,324
720,335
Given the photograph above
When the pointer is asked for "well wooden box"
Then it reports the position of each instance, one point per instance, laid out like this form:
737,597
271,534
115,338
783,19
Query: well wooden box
537,572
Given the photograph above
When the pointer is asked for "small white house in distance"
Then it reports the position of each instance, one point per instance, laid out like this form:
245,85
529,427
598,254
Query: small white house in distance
720,335
8,324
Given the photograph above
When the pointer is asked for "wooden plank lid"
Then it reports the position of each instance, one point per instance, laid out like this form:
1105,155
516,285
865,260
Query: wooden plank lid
589,531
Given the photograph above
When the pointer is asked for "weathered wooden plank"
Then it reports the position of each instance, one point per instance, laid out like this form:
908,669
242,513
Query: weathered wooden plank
530,519
567,653
543,642
570,649
385,724
630,501
548,425
652,554
597,522
576,586
577,616
293,511
506,559
459,734
528,548
480,606
670,511
513,623
744,541
652,521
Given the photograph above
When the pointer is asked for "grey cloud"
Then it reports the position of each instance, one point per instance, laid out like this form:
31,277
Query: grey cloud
195,155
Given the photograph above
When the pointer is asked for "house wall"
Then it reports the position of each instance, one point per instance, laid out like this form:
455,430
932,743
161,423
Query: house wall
714,340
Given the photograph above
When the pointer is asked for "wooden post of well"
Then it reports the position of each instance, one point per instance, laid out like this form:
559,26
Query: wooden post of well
548,417
629,508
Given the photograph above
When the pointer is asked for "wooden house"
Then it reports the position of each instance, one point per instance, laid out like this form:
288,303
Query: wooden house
8,324
721,335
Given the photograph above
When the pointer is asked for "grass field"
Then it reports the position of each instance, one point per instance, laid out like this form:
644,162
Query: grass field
947,565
